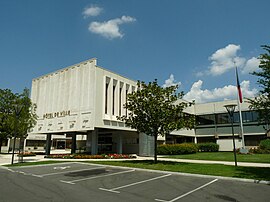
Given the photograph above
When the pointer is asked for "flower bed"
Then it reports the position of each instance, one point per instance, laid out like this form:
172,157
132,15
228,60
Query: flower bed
25,154
87,156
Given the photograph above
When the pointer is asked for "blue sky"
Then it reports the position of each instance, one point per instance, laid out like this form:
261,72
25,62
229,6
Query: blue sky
191,42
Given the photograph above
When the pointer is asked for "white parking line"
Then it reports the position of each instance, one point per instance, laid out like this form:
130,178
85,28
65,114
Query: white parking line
55,173
188,192
70,171
89,178
135,183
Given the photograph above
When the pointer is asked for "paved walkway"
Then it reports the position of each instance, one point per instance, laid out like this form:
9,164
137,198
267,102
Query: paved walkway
218,162
5,159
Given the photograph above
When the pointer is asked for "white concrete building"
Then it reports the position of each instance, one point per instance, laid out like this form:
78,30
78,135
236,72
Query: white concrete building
82,102
213,125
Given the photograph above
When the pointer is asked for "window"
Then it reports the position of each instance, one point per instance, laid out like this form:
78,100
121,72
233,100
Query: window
127,88
35,143
255,116
222,118
206,119
113,100
247,116
120,101
236,118
106,98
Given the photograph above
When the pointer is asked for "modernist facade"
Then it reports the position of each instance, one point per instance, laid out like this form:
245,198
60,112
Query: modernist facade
214,125
77,108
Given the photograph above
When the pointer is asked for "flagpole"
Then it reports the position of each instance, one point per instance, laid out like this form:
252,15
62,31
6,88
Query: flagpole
241,123
240,111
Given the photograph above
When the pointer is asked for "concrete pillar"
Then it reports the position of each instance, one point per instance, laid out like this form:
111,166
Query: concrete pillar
24,145
73,144
94,142
88,141
195,140
120,144
146,145
8,145
48,144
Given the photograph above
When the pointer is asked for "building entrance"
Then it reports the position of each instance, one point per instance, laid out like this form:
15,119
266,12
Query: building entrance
105,144
59,143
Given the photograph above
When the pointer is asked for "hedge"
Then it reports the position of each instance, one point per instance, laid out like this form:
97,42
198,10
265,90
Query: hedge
208,147
265,144
264,147
174,149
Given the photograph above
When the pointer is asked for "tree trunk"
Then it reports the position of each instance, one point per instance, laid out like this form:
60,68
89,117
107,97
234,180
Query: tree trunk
155,149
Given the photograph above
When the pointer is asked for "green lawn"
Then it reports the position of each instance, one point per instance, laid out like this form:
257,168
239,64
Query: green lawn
255,173
224,156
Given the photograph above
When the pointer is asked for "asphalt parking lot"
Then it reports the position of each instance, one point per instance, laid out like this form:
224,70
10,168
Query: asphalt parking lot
90,182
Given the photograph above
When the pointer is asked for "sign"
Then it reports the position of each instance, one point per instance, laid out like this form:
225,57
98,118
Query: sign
56,114
61,167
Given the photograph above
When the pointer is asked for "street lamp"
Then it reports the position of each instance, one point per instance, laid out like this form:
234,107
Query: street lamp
17,111
230,109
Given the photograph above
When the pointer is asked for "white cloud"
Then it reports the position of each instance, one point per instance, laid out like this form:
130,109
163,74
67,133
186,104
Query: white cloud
110,29
171,82
91,11
223,60
246,91
226,59
251,65
227,92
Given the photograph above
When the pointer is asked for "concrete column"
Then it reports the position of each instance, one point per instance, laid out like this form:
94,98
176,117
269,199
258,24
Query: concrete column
195,140
48,144
73,144
94,142
120,144
146,145
8,145
24,145
88,141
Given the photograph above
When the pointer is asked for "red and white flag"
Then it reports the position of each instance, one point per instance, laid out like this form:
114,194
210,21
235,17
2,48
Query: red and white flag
238,87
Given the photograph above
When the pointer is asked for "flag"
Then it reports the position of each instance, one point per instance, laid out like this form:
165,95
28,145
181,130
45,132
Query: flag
238,86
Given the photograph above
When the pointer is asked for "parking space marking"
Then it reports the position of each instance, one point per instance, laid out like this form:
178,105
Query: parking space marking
66,168
190,192
89,178
132,184
70,171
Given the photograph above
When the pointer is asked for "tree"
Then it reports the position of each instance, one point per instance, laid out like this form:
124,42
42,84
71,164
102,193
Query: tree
10,124
153,110
27,117
261,103
6,101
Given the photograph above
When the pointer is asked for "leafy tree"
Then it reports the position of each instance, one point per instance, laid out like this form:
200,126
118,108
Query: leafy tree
6,101
154,110
22,122
27,117
261,103
12,125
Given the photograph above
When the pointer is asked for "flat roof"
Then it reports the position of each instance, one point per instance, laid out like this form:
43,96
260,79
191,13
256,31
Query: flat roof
78,64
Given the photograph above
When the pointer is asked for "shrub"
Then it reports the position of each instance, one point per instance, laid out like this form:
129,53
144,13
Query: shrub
264,148
208,147
175,149
25,154
265,144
